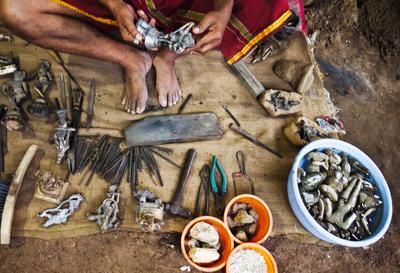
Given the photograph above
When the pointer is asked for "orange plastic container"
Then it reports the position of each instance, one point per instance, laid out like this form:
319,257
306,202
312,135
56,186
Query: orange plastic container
225,240
269,259
264,223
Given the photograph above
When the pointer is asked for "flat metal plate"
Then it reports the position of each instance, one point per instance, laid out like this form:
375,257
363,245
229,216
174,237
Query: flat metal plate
173,128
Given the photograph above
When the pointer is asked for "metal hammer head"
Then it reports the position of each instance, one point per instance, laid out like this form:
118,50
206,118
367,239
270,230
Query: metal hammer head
176,210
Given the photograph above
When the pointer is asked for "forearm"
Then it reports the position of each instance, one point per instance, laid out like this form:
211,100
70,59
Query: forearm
224,6
111,4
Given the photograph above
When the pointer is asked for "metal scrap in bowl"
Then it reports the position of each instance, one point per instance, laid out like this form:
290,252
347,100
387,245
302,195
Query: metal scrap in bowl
347,204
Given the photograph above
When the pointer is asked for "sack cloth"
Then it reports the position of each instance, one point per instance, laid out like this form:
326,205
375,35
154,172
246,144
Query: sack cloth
213,85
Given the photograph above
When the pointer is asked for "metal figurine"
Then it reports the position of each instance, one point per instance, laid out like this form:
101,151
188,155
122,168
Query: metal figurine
107,215
62,135
60,214
14,120
6,37
39,108
44,77
176,41
149,211
7,65
281,102
16,90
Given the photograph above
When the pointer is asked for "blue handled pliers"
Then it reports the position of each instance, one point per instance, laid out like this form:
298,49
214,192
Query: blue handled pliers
219,196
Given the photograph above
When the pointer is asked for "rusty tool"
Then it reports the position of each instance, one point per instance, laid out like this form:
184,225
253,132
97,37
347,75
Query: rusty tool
154,151
76,114
204,189
184,103
253,139
63,95
175,208
90,110
71,98
241,160
231,115
3,137
151,163
219,195
58,59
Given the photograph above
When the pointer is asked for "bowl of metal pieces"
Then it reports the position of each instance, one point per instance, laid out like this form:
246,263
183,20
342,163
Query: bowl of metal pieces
338,194
248,218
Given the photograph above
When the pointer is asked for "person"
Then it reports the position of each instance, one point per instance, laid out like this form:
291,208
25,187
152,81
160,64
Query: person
105,29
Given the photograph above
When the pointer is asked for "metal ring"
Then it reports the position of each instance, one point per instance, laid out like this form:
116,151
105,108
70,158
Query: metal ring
136,41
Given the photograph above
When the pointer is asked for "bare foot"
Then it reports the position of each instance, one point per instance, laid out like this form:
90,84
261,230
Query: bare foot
135,76
167,84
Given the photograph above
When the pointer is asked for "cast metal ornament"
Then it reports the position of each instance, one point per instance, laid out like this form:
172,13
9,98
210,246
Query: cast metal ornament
176,41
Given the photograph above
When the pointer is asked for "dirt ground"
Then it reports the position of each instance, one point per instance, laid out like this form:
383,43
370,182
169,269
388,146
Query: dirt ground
360,58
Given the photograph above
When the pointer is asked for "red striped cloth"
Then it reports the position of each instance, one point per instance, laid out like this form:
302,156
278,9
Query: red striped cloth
252,21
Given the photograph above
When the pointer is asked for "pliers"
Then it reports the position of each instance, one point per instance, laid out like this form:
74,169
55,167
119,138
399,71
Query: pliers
204,189
219,196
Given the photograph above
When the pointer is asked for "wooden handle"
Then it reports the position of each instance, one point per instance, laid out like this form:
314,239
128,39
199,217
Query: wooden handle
187,168
8,211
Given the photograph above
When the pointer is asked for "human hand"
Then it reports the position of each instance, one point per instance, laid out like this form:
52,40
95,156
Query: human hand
212,27
126,16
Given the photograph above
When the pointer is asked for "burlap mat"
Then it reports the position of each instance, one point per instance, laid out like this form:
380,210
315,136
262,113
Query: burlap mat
212,85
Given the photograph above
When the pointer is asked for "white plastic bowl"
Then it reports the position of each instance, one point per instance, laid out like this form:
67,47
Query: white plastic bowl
382,216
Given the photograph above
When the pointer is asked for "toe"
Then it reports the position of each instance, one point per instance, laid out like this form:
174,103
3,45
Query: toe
141,105
162,100
170,98
176,96
179,90
123,100
133,107
127,103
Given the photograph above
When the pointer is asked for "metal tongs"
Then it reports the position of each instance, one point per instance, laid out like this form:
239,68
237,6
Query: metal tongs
241,159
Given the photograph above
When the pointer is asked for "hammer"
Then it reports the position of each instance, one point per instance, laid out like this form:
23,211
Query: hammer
175,208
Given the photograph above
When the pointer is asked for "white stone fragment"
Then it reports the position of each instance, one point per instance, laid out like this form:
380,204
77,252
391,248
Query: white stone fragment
203,255
205,233
185,268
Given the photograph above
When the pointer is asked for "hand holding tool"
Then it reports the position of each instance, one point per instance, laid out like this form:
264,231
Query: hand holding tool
241,159
219,196
175,208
